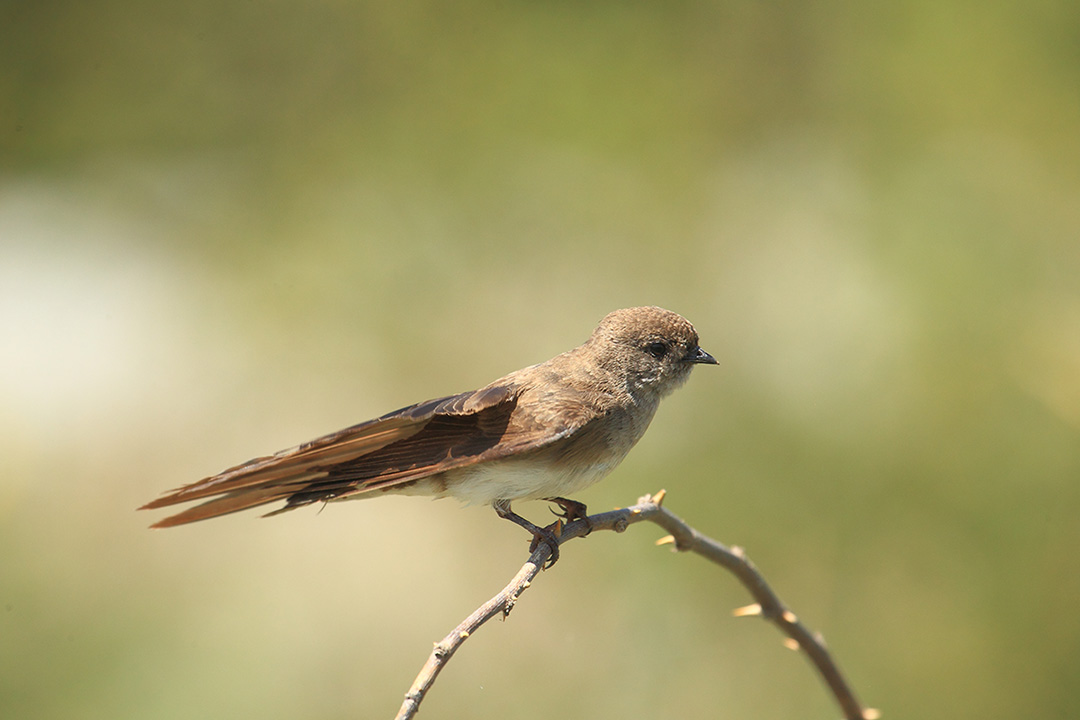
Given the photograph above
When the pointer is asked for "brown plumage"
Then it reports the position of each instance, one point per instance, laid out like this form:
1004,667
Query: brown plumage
542,432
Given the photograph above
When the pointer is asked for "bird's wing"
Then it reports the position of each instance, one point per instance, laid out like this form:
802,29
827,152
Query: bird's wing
400,447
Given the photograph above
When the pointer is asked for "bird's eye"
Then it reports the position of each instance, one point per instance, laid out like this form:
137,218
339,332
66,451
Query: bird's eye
657,349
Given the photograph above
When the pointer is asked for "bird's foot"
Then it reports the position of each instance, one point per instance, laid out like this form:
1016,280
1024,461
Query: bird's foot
548,535
572,510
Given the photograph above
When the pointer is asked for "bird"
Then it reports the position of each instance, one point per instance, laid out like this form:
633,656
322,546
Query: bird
544,432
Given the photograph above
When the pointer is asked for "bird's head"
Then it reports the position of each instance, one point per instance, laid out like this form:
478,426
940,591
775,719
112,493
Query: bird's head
653,348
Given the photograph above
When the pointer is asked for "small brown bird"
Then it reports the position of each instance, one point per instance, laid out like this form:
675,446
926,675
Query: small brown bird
541,433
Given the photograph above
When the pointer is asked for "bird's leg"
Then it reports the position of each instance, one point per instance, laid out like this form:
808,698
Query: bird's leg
571,510
546,535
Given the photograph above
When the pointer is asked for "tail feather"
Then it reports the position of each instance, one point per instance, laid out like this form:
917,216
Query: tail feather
302,463
226,504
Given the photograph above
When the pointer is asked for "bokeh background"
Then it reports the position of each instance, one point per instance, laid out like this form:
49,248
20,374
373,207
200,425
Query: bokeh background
227,227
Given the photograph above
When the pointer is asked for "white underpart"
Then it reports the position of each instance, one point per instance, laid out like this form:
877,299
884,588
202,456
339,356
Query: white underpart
510,479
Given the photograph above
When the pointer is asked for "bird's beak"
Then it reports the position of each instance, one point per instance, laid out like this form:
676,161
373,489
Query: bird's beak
699,356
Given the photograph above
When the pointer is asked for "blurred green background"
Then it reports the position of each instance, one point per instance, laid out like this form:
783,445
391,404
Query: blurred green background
227,227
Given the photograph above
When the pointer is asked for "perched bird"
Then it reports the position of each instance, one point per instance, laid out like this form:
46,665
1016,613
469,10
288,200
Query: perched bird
541,433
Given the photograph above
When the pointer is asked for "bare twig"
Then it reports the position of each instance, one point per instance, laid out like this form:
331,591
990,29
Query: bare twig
684,538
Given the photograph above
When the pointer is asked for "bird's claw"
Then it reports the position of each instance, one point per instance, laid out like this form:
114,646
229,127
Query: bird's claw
571,510
550,536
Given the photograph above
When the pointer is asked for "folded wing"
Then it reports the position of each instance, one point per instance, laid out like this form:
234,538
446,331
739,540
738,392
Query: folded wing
397,448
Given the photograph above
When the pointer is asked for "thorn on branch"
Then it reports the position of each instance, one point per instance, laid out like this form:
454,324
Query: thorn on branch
747,610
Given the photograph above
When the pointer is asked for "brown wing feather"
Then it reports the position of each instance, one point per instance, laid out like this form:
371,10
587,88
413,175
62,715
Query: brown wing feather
472,429
399,447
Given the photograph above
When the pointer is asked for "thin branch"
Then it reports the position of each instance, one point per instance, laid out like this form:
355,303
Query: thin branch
684,538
